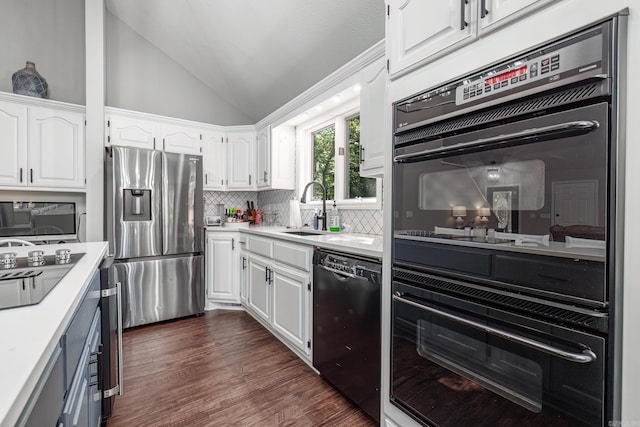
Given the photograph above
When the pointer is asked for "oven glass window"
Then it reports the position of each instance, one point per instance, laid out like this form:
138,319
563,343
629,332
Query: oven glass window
547,192
440,365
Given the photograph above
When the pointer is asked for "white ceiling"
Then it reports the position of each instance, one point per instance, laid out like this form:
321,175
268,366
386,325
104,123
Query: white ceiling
257,54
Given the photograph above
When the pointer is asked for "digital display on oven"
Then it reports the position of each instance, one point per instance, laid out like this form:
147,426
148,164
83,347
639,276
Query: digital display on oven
507,75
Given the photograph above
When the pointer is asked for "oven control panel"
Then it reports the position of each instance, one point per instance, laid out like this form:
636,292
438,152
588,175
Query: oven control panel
545,66
573,59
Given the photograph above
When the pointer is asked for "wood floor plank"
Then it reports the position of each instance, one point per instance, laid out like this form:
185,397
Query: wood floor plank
222,369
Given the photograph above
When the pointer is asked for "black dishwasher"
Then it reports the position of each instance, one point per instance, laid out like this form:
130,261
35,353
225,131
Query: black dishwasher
346,325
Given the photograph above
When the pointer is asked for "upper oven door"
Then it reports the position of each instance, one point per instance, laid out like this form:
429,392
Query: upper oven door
538,185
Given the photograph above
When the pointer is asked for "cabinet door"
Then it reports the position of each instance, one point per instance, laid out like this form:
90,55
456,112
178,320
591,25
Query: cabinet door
56,148
13,134
222,267
283,158
131,131
259,287
418,30
263,172
290,296
181,139
240,172
373,119
214,155
495,13
243,278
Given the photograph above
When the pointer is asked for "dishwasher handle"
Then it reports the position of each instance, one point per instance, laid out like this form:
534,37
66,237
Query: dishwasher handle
341,274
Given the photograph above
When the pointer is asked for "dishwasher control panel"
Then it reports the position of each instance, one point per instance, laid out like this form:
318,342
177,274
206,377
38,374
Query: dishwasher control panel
349,266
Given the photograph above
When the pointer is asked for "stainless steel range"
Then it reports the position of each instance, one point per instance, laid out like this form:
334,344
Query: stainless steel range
28,280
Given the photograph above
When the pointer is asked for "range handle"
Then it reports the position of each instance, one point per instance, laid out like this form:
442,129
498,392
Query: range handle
585,356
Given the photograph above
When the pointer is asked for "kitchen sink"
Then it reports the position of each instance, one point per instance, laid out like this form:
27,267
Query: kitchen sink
302,233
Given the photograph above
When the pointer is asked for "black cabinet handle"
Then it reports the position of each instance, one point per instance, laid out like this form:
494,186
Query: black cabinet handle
266,274
20,174
206,180
31,172
463,21
483,9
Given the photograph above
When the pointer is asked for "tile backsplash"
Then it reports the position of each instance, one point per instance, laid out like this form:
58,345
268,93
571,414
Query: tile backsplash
364,221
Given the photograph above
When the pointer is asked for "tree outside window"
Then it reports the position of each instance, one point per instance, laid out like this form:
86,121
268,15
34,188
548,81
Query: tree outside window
357,185
324,161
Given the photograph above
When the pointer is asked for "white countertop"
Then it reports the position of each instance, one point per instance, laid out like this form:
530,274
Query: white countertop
29,335
359,244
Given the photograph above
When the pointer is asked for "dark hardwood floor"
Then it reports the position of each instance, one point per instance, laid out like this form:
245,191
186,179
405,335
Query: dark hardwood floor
222,369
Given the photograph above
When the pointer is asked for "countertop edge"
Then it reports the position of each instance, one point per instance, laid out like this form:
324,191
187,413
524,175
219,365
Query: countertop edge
321,240
13,406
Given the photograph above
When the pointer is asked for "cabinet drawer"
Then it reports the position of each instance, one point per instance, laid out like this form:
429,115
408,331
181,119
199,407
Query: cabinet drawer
260,246
78,330
298,256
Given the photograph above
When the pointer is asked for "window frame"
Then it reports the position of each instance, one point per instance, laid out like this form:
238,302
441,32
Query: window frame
337,117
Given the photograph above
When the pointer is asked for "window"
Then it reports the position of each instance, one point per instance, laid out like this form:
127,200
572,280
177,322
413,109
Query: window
357,186
324,149
331,153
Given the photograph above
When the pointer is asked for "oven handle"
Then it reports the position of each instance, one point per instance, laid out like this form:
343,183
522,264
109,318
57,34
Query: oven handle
581,126
585,356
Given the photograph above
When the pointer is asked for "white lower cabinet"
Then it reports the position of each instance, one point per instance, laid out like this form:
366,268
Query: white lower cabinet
260,287
279,289
290,290
222,268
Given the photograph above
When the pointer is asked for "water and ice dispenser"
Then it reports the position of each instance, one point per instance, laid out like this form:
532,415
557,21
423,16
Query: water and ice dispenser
136,204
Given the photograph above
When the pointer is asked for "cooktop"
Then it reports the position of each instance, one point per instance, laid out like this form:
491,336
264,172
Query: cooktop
28,280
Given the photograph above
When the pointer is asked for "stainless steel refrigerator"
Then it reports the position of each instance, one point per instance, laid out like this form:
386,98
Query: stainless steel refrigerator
154,224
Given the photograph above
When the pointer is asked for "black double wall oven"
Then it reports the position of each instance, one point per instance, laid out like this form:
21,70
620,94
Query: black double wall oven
505,191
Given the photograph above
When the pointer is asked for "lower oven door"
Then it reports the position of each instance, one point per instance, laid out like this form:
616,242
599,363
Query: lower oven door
456,363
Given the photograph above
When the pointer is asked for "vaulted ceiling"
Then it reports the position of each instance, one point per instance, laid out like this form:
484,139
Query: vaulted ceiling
257,54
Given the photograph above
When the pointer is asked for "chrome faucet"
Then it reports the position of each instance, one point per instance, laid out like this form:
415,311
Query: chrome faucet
303,199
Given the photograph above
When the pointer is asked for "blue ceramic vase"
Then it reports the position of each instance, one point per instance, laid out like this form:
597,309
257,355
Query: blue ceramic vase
28,81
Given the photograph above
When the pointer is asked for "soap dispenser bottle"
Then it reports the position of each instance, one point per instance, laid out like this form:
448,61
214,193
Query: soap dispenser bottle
334,218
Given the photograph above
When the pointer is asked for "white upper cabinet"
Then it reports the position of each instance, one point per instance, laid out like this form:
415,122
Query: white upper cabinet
240,155
214,155
43,147
276,158
283,157
140,130
130,131
418,30
56,148
179,138
495,13
13,133
263,170
373,119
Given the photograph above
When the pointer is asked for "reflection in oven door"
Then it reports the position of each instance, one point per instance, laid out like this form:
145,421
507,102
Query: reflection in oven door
504,369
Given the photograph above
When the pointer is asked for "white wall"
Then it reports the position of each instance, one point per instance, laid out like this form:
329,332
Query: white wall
51,34
140,77
561,17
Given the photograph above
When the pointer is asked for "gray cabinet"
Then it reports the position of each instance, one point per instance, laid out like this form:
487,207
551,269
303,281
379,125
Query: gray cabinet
67,393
